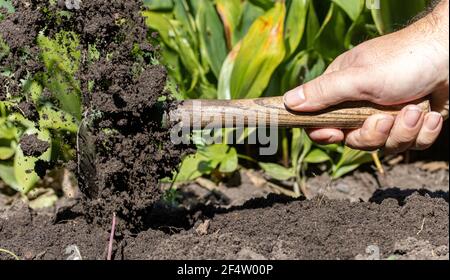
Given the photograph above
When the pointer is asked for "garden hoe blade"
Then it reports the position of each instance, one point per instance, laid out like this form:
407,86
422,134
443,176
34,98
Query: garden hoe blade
87,173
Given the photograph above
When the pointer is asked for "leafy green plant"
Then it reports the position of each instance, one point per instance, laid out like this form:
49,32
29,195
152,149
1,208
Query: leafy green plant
57,121
229,49
208,160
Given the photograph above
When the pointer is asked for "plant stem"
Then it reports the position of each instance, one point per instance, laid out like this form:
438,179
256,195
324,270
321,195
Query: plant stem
285,148
378,164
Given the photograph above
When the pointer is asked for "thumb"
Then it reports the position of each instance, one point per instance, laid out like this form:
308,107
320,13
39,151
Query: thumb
329,89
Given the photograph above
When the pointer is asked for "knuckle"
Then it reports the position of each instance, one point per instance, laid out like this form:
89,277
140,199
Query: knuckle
423,142
403,136
361,141
320,88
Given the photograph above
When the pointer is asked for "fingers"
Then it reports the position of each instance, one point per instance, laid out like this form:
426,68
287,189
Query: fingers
326,136
373,135
406,130
430,131
329,89
412,129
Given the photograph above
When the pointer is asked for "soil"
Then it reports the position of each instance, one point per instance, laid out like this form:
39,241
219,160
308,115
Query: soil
121,87
402,215
32,146
402,221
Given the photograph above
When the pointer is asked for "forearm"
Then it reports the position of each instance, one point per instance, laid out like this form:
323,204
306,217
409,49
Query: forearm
439,19
431,34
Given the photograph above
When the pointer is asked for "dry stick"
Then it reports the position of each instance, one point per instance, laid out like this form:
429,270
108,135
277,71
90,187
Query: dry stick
421,227
111,237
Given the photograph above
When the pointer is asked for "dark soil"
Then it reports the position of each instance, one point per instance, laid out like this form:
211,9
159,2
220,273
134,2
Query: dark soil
29,110
121,88
401,221
32,146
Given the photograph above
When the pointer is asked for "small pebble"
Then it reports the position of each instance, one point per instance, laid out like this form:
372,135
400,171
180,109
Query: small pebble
343,188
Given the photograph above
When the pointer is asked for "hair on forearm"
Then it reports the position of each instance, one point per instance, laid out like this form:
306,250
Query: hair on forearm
431,6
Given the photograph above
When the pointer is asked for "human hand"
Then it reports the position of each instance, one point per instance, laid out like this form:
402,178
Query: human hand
390,70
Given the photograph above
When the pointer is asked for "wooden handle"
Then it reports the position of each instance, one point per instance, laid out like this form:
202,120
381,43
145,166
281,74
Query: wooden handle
261,111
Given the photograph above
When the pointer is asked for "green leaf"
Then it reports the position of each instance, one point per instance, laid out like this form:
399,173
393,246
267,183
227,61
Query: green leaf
265,4
312,26
230,13
344,170
350,160
161,23
61,57
296,145
316,70
230,162
295,24
179,36
354,156
317,156
185,16
211,35
35,89
4,49
217,151
57,120
6,153
189,169
261,52
394,14
158,5
7,175
358,31
294,71
8,132
6,4
250,13
331,37
277,171
353,8
24,172
224,87
331,148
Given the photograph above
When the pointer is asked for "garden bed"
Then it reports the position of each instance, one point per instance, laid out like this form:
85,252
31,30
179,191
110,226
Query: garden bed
403,215
98,65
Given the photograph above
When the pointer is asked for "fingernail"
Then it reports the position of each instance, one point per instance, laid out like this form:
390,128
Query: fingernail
294,97
433,120
412,117
384,126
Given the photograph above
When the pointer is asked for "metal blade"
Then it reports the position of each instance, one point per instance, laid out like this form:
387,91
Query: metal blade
87,173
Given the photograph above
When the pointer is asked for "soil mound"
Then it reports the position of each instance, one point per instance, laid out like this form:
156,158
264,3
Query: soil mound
120,84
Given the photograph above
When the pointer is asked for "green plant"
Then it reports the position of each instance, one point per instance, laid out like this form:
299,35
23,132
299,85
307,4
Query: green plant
208,160
229,49
172,197
57,119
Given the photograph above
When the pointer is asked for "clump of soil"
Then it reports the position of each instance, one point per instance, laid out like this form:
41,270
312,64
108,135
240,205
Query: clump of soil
32,146
29,110
120,87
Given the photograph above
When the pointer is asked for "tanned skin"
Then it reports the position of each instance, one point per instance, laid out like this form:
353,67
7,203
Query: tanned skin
393,69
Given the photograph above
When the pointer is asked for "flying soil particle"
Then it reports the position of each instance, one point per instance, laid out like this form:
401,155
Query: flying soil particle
121,87
41,167
29,110
32,146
